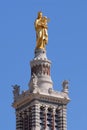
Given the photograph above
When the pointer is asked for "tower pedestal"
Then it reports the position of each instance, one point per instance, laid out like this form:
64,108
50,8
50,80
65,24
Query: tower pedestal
40,71
40,107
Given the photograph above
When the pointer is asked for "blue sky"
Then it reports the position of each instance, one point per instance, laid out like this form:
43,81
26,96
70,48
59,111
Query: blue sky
67,49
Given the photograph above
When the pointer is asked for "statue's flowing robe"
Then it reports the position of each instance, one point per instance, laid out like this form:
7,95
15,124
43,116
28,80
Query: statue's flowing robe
41,35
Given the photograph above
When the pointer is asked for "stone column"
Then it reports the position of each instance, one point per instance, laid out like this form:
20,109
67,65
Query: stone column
28,118
46,108
53,118
23,116
36,117
62,123
64,111
19,122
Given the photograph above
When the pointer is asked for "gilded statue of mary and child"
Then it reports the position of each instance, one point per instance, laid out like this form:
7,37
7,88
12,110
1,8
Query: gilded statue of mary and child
41,31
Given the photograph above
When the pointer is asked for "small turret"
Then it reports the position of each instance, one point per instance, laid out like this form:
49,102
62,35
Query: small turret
65,86
16,91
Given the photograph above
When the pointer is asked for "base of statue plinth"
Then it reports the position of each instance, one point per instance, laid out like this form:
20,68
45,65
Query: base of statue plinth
40,54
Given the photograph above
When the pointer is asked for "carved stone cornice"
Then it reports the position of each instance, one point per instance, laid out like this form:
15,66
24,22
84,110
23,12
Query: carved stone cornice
28,97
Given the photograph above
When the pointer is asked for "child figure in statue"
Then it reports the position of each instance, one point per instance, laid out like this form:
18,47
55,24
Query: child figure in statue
41,31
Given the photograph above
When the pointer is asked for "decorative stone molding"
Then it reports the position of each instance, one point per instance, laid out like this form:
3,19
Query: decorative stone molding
41,69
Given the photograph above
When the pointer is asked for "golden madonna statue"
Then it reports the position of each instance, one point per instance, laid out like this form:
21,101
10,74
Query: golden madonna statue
41,31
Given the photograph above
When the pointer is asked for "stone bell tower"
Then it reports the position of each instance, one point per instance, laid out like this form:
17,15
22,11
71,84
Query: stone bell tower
41,107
